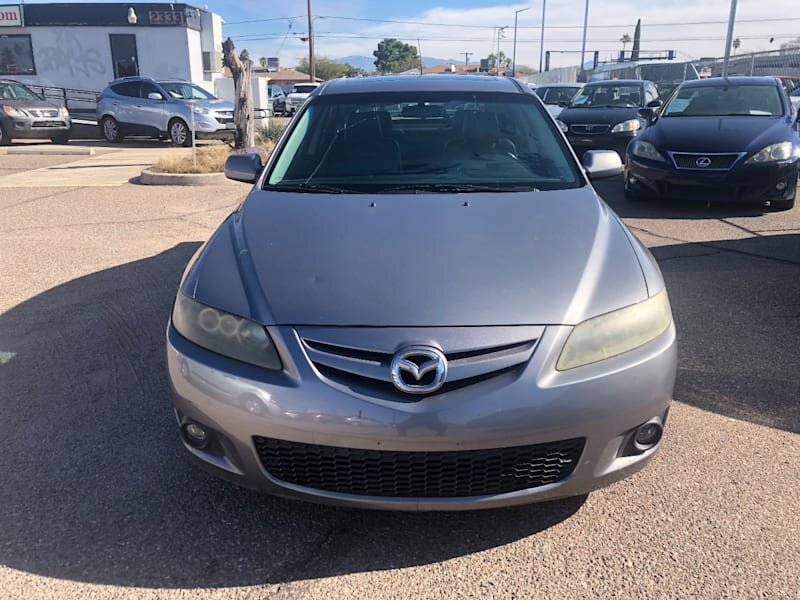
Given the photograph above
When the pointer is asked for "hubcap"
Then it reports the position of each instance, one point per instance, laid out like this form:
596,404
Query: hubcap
178,133
110,129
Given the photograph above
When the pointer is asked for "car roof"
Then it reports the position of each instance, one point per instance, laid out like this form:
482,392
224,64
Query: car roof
618,82
422,83
571,84
728,81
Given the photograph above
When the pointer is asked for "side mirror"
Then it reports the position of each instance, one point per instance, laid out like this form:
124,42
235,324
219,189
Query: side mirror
563,104
654,103
243,167
154,96
648,113
600,164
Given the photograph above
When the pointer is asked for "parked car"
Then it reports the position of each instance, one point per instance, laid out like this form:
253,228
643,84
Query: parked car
298,95
166,109
462,323
24,115
792,86
278,99
733,139
605,114
556,96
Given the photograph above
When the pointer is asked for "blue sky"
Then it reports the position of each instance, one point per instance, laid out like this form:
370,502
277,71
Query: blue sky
451,27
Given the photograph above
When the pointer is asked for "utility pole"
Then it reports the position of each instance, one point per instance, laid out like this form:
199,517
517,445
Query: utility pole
729,39
466,57
541,39
312,67
585,25
514,52
500,31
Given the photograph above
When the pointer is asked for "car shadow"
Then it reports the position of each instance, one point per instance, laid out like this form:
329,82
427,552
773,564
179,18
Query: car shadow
96,486
611,190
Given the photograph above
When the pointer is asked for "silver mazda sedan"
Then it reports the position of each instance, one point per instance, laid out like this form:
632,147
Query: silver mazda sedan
422,305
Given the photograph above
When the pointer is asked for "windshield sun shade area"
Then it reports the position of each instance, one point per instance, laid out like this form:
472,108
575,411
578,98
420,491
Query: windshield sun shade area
726,101
436,141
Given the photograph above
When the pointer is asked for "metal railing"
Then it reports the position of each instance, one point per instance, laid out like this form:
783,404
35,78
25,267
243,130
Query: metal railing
772,63
77,100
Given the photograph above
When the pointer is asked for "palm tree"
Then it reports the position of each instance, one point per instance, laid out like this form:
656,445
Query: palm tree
263,62
625,39
736,44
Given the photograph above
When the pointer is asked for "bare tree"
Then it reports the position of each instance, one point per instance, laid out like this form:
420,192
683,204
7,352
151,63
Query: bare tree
241,68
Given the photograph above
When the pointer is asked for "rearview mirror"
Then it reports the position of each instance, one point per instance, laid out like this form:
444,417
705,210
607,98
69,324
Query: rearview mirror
243,167
154,96
600,164
647,113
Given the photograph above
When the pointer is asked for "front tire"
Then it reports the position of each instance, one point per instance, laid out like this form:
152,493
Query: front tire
110,129
4,139
631,194
179,133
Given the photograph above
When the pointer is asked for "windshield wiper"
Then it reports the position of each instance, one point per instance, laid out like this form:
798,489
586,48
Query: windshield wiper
456,188
312,188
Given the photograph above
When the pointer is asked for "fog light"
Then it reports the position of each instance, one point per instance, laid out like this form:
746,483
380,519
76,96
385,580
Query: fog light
632,180
648,435
780,186
195,435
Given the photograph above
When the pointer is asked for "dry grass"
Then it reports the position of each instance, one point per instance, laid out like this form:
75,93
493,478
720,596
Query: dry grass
210,159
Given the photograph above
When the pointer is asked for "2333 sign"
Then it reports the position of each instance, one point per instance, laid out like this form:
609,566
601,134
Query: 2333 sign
166,17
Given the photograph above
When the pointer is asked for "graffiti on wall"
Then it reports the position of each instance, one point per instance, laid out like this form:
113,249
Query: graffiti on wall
68,55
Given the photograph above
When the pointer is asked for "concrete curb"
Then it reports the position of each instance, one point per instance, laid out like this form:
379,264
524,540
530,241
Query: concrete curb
149,177
51,151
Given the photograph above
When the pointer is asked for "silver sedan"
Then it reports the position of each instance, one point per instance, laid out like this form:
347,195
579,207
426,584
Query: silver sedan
422,305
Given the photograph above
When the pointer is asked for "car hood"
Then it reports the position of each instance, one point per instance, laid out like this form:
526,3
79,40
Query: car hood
717,134
597,116
215,104
22,103
554,257
297,96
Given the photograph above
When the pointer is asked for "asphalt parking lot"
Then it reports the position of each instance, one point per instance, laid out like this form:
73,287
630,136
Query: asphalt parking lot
97,499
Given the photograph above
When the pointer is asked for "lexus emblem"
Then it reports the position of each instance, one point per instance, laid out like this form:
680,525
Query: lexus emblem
418,369
703,162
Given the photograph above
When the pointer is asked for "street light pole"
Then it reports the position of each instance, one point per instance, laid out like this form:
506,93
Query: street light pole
312,67
729,39
541,40
514,52
585,25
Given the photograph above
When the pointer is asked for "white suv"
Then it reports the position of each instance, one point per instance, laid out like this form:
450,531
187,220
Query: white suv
300,92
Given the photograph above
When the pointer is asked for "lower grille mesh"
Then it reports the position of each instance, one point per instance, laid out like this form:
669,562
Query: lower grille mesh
419,474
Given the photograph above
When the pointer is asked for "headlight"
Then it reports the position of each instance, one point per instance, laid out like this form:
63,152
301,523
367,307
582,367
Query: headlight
646,150
197,109
63,112
772,153
562,126
224,333
616,332
629,125
14,112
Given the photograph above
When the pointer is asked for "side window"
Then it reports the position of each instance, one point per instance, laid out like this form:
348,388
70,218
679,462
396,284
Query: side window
649,94
148,88
128,88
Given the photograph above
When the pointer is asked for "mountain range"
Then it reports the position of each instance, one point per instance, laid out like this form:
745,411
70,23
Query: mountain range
367,63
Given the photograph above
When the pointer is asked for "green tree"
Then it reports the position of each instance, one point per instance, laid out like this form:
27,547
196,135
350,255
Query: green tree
503,61
328,69
394,56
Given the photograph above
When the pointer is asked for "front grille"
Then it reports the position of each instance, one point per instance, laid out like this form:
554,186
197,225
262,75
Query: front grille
394,474
589,129
42,112
713,162
369,372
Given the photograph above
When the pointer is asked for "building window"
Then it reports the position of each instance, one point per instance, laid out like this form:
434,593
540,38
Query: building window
16,55
124,56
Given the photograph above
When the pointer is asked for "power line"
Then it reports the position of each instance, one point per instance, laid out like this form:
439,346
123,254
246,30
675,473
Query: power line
247,22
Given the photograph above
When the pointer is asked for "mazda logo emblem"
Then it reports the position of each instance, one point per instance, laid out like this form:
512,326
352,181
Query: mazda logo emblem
418,369
703,162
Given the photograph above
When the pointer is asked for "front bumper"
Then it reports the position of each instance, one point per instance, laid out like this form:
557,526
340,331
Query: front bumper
607,141
743,183
602,403
208,127
36,128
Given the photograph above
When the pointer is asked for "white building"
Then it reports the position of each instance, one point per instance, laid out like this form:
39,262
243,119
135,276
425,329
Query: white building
84,46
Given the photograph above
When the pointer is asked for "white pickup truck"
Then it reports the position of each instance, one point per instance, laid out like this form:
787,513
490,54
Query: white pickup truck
298,95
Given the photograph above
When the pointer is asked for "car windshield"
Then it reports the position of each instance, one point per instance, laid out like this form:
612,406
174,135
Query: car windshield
436,141
303,89
181,90
725,101
15,91
556,95
608,96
